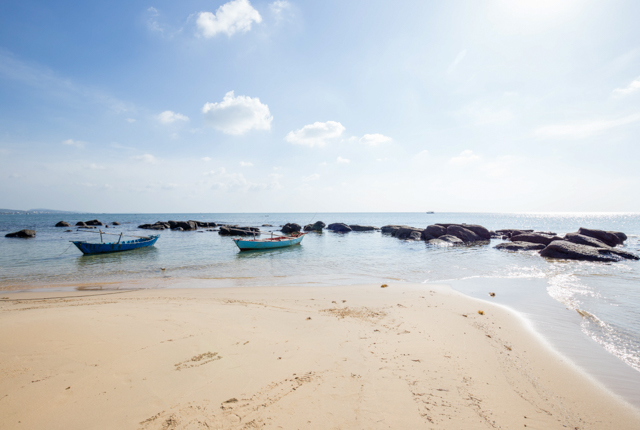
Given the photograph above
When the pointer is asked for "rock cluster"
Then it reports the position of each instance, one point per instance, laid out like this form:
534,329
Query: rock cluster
178,225
24,234
291,227
234,230
440,234
585,245
316,226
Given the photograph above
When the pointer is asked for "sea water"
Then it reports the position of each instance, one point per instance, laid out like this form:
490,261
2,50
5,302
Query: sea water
547,292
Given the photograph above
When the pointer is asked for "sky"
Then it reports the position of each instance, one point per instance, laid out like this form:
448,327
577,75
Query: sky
332,106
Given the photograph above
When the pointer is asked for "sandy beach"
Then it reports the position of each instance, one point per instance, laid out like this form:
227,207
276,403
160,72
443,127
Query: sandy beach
356,357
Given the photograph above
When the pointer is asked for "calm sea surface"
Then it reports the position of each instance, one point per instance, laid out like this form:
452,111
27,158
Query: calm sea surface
608,292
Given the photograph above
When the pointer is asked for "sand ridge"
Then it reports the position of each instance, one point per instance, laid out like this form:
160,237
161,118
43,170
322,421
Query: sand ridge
361,357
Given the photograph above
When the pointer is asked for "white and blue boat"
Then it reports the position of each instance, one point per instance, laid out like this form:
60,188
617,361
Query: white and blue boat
270,243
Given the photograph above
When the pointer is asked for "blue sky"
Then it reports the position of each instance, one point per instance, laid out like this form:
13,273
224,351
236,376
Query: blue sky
278,106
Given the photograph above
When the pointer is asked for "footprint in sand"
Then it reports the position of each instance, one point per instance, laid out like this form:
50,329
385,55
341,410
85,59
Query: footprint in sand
198,360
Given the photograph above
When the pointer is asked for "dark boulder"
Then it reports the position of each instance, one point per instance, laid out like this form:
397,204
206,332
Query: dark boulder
479,230
562,249
316,226
24,234
185,225
520,246
157,226
446,225
581,239
462,233
452,240
356,227
414,235
611,238
291,227
115,223
534,238
406,232
81,224
508,232
93,222
63,224
435,231
392,229
267,225
226,230
339,227
204,224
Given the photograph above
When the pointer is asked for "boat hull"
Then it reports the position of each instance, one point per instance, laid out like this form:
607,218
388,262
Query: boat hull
263,245
104,248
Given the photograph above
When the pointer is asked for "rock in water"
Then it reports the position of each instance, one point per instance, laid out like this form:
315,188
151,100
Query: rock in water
63,224
435,231
316,226
519,246
339,227
356,227
481,231
24,234
581,239
408,232
611,238
447,239
226,230
563,249
534,238
291,227
93,222
462,233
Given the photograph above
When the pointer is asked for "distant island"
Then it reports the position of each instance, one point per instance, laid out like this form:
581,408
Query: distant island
35,211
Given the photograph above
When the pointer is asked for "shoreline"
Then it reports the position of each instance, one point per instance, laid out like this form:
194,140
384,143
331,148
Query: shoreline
402,356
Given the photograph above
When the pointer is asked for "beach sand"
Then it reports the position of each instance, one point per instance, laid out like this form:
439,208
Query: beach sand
359,357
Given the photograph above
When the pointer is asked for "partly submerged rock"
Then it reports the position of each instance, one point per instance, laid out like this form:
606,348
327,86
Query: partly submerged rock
520,246
434,231
23,234
407,232
93,222
562,249
316,226
226,230
63,224
291,227
356,227
449,239
339,227
534,238
581,239
462,233
611,238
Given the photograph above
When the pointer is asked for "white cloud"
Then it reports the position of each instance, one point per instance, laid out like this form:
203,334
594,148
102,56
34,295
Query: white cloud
236,182
313,177
457,61
94,166
278,8
480,114
343,160
581,130
375,139
146,158
207,159
465,158
421,157
315,134
246,164
152,22
76,143
168,117
130,120
631,88
232,17
237,115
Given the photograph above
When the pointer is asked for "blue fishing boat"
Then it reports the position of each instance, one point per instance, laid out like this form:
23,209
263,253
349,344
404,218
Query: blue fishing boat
270,243
119,246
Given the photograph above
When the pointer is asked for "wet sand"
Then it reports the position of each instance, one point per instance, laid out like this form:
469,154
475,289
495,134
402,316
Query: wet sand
356,357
